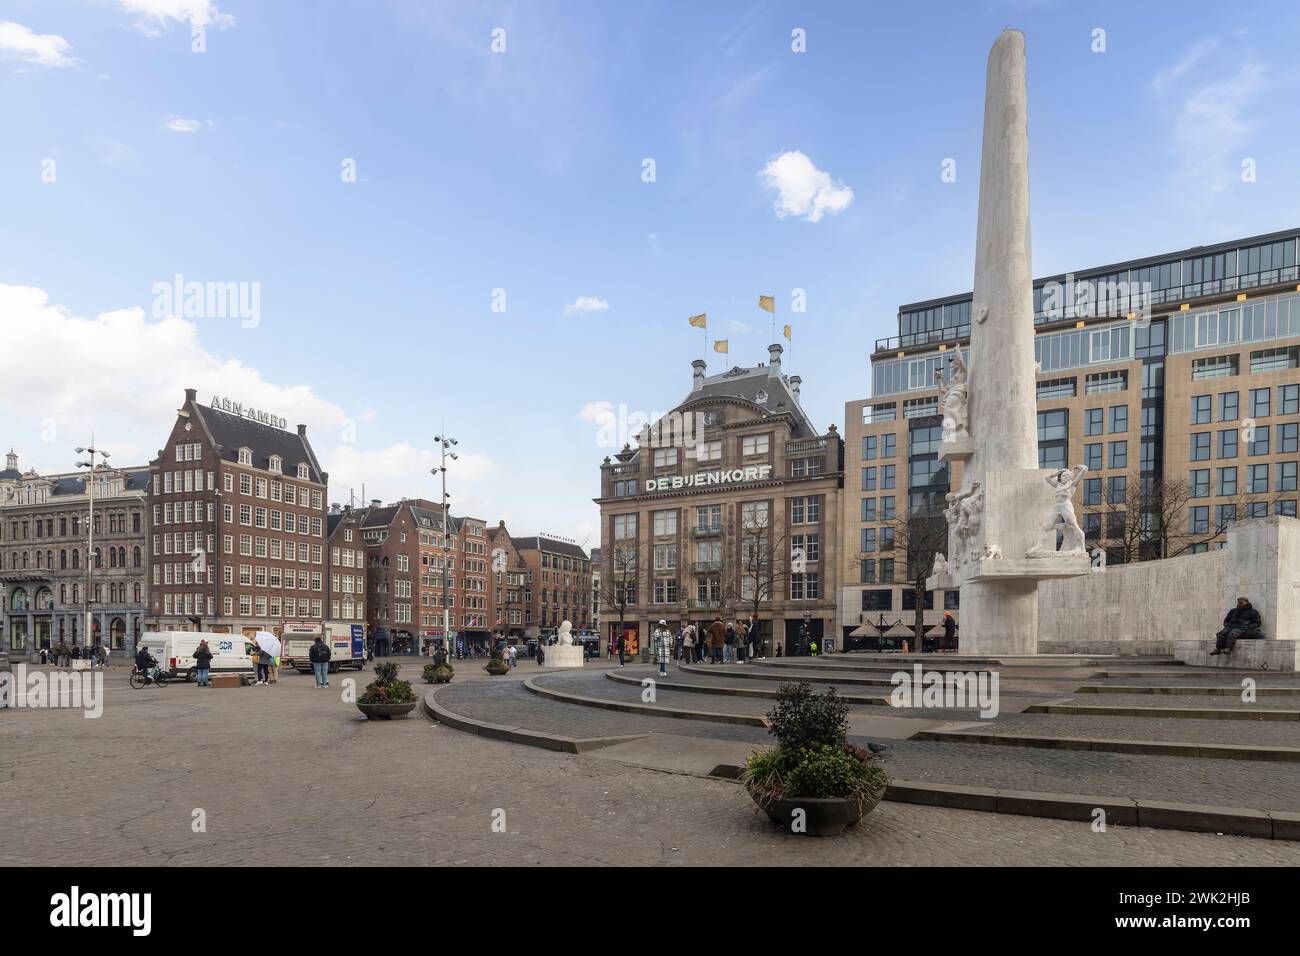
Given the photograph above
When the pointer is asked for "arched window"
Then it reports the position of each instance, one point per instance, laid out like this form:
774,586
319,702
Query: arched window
24,560
76,558
98,524
135,523
49,560
40,559
63,559
19,600
98,559
99,594
112,557
136,592
76,524
135,556
63,594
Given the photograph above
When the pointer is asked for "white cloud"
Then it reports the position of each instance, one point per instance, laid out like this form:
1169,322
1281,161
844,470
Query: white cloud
122,375
153,16
655,245
180,124
803,189
1211,108
44,49
586,303
735,325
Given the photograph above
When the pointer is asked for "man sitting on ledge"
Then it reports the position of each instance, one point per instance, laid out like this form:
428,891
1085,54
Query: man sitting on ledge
1241,622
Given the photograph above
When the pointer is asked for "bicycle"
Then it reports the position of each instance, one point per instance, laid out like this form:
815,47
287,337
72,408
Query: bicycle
158,677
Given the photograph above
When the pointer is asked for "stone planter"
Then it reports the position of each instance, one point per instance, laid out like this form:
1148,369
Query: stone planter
497,671
443,676
823,816
386,711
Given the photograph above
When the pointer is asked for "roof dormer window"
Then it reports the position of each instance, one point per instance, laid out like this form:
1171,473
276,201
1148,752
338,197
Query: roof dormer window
275,464
302,471
246,456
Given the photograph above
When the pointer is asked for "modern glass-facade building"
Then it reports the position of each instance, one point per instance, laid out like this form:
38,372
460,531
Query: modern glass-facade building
1174,378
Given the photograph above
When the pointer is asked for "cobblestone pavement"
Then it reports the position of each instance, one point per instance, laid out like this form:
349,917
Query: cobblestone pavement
290,775
1264,733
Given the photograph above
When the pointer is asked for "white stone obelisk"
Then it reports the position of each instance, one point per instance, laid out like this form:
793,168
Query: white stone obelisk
998,516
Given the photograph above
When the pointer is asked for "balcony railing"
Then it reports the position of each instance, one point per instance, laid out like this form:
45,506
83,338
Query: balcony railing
707,566
804,446
705,605
706,530
1115,306
619,471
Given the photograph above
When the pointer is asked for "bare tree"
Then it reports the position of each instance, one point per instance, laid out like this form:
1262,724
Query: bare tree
1152,518
918,534
764,562
618,589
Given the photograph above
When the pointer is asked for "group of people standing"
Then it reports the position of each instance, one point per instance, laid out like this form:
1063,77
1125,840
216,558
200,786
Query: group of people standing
722,642
62,655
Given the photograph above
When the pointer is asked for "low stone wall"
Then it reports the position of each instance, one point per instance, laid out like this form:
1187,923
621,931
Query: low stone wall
1143,608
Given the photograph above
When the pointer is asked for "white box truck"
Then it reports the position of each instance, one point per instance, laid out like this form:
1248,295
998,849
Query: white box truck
174,651
347,644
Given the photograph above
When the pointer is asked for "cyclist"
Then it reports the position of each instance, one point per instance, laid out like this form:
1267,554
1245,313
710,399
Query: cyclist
145,663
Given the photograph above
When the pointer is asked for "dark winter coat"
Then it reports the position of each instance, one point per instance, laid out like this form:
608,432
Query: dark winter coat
319,653
1244,617
202,656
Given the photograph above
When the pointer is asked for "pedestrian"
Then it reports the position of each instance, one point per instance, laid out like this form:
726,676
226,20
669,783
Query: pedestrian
812,647
541,655
76,652
663,646
729,643
717,634
1241,622
778,648
949,631
755,635
202,663
622,637
45,655
514,655
274,669
103,655
263,664
802,647
319,655
688,644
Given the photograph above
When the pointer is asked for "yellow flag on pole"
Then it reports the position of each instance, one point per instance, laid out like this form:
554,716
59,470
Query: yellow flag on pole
767,303
699,321
786,333
720,345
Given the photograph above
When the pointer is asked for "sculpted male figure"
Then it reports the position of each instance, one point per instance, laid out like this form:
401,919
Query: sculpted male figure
952,398
1063,483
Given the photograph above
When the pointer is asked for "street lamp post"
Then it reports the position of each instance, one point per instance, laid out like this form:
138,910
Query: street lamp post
93,465
444,443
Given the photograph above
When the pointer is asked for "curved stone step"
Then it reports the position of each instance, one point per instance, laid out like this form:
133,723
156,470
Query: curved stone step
656,710
728,691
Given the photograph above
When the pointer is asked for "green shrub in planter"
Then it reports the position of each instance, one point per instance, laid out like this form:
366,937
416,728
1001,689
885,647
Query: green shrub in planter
386,688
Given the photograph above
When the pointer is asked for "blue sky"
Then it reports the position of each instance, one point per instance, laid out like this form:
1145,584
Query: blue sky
522,171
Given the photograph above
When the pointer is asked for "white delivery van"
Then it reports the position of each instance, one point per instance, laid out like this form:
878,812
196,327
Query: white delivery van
174,651
347,644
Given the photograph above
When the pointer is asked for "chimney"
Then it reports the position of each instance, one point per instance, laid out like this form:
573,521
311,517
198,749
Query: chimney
191,394
375,502
774,363
698,366
795,382
302,431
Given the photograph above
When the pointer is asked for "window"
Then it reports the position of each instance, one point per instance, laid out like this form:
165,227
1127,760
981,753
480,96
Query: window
709,450
1092,421
1057,388
1200,409
1118,454
1259,402
1286,437
1092,491
1286,508
708,517
1274,360
665,522
1258,443
1198,519
887,445
1118,419
1051,456
868,509
1199,482
1288,400
868,479
880,600
867,542
665,557
887,476
753,514
1225,481
1053,425
1257,479
754,445
1219,366
1117,488
869,446
1286,476
1228,407
624,526
665,457
1200,446
1227,443
1099,382
1092,456
805,510
886,507
805,467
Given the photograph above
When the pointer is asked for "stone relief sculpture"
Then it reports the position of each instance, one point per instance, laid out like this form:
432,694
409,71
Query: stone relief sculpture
940,564
953,399
1063,483
991,552
963,515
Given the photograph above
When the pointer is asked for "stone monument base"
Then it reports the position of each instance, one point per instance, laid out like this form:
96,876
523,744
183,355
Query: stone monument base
562,655
1248,655
959,449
